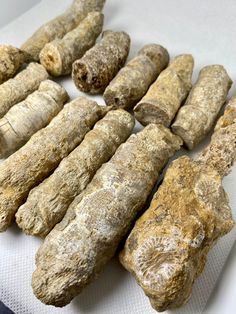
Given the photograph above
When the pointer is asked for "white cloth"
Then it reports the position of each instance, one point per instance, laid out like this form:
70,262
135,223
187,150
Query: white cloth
183,26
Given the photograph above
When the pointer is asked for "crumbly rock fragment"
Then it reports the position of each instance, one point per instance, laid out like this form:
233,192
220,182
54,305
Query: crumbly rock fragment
77,249
61,25
58,56
167,93
94,71
47,203
133,81
221,152
167,249
196,118
11,60
18,88
27,117
32,163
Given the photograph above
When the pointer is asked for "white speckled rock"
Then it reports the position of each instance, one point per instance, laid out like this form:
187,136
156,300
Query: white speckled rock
47,203
133,81
32,163
23,84
196,118
27,117
94,71
77,249
59,26
58,56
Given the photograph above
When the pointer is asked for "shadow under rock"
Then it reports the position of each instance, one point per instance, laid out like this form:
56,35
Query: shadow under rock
102,288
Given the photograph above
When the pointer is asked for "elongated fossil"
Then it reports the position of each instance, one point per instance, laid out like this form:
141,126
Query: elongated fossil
32,163
59,26
27,117
77,249
11,60
133,81
94,71
47,203
167,93
58,56
19,87
196,118
167,249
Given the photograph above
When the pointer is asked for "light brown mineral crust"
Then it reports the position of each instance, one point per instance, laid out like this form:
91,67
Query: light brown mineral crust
196,118
221,152
47,203
27,117
167,93
32,163
17,89
94,71
133,81
61,25
167,249
11,60
78,248
58,56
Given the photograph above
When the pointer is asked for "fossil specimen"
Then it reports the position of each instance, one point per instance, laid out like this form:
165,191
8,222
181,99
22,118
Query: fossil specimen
27,117
11,59
167,249
77,249
59,26
47,203
32,163
133,81
58,56
94,71
167,93
19,87
196,118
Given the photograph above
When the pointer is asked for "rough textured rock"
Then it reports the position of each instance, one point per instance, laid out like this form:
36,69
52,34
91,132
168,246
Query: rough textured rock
167,93
196,118
11,60
32,163
133,81
58,56
167,249
47,203
77,249
94,71
27,117
23,84
59,26
221,153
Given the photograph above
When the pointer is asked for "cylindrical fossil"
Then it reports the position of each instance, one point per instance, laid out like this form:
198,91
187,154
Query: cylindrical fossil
11,59
79,246
221,152
94,71
196,118
61,25
167,249
133,81
32,163
17,89
47,203
58,56
167,93
34,113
